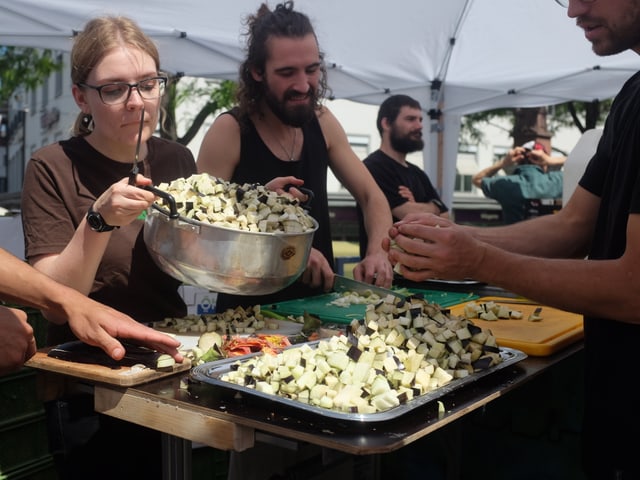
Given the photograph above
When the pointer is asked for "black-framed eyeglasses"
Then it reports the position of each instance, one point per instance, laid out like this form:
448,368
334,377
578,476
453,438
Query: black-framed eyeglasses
119,92
565,3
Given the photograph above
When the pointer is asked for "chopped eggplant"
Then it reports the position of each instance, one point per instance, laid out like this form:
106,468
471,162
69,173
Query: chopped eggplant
212,200
395,354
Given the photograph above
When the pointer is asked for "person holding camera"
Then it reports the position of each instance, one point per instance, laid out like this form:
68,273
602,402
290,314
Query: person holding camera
534,174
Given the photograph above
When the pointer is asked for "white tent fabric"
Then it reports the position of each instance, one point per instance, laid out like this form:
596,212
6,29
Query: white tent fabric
577,161
454,56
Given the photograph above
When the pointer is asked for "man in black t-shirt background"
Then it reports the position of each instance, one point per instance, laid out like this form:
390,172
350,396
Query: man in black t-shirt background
407,187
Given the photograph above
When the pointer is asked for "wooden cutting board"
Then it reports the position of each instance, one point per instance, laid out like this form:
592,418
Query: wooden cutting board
122,376
556,330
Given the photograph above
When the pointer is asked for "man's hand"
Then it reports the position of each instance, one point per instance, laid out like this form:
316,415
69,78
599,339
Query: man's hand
318,272
375,269
99,325
278,185
406,193
515,156
429,246
122,203
17,343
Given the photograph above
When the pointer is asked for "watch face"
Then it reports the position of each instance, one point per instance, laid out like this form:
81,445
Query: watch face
96,222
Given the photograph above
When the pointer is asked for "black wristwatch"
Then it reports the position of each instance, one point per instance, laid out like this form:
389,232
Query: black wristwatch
441,206
96,222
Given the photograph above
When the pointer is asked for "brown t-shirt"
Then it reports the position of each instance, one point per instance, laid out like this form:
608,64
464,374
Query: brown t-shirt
62,181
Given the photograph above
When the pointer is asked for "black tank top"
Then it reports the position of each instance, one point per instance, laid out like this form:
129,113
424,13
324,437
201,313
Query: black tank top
259,165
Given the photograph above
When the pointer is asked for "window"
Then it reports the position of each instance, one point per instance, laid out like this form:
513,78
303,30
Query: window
466,167
360,145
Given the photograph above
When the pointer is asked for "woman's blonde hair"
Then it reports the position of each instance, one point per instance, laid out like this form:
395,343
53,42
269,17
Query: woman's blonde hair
100,35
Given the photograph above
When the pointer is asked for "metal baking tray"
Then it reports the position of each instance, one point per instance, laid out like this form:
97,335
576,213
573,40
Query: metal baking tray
212,371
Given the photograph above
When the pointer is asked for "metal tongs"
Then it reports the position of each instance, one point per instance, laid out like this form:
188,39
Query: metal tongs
134,170
134,173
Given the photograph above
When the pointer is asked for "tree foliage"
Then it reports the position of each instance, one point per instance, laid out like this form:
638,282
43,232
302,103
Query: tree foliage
581,115
219,94
27,67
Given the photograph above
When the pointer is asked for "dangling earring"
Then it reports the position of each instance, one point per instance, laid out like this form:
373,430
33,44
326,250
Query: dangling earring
86,123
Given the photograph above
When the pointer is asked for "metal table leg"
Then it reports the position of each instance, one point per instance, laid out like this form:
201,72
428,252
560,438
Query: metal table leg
176,458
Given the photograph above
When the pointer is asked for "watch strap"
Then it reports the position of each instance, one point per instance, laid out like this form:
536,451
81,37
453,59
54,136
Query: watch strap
441,206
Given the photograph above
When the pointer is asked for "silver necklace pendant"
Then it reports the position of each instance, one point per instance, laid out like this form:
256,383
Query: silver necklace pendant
289,155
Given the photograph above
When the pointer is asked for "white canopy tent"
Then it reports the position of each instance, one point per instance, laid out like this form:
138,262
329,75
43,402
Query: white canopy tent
454,56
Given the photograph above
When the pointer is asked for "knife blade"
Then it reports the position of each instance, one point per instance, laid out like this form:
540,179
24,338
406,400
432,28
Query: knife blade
134,169
344,284
80,352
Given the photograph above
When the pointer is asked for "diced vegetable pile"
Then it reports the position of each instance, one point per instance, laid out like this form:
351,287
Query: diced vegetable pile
347,299
491,311
400,349
249,207
233,320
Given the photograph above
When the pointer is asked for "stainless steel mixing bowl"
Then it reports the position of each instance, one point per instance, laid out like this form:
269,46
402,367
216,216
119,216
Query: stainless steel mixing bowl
224,259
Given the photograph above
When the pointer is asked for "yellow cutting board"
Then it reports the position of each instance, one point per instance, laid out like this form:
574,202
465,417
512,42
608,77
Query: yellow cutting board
556,330
123,376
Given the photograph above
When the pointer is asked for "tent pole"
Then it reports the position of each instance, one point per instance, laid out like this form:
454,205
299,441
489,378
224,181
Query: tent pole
440,164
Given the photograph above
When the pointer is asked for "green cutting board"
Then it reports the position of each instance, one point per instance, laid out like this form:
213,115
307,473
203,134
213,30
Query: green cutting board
320,306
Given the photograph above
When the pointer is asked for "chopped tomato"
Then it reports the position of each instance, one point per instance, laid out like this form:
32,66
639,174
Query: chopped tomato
237,345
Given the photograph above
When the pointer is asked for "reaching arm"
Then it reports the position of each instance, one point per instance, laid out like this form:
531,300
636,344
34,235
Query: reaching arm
517,258
566,234
512,157
92,322
351,172
540,158
77,264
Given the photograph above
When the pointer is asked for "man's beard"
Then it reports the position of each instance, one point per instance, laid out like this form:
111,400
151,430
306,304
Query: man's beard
295,116
624,37
405,144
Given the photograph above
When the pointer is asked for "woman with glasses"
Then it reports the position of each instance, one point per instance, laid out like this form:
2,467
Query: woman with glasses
80,215
83,220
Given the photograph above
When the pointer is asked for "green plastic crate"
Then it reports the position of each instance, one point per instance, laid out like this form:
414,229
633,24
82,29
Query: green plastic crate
22,441
40,469
19,395
209,464
40,325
